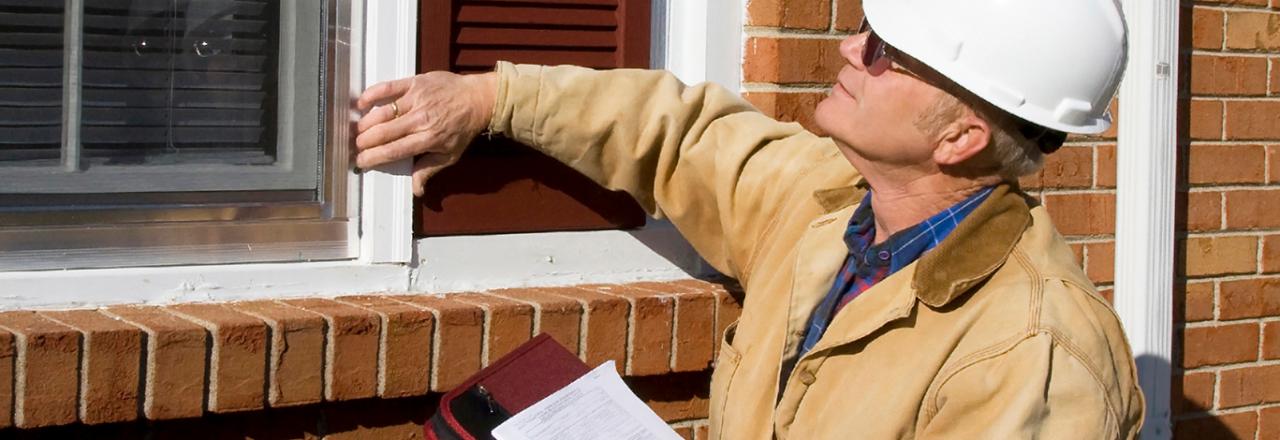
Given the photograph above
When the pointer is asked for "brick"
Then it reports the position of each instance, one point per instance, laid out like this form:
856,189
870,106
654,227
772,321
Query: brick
1271,341
674,397
296,356
1212,164
1082,214
1252,209
1069,167
351,348
1252,120
1206,119
1228,75
1274,82
694,324
1273,162
1198,302
1102,262
1271,254
1209,256
1269,423
848,15
1206,28
649,338
795,14
555,315
792,60
8,356
1203,211
1031,182
45,371
1252,30
685,432
237,373
109,372
1108,294
1220,345
1193,393
1226,426
1106,173
404,349
604,324
1254,298
458,337
175,362
1249,386
508,323
788,107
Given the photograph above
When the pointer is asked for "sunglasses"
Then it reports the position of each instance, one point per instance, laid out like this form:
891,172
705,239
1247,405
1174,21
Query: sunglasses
876,49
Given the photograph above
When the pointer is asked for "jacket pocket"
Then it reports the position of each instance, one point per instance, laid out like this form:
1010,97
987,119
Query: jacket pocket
721,379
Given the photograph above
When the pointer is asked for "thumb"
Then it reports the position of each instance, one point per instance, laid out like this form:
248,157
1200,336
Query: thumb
426,167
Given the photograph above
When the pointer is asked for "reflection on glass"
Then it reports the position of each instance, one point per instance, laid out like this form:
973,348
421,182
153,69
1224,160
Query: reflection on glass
30,80
180,81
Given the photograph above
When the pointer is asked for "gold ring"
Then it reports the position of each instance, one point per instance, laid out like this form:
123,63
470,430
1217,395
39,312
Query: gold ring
395,109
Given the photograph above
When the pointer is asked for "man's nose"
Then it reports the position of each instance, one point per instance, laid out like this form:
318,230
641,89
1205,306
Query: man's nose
851,50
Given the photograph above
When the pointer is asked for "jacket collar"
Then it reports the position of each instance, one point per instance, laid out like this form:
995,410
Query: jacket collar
979,245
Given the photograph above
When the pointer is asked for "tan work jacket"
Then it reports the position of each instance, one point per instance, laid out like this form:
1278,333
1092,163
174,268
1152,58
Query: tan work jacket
994,334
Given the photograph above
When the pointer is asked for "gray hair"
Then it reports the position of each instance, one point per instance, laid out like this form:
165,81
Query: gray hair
1009,154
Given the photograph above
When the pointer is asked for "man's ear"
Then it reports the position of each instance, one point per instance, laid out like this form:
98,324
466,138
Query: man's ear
962,139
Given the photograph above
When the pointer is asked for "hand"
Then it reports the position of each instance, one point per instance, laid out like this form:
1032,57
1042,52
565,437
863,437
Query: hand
439,113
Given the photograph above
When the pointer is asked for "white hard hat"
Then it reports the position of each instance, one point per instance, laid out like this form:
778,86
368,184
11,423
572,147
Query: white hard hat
1055,63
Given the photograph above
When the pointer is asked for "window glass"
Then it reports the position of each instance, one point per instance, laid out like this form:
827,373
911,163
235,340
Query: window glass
30,80
180,82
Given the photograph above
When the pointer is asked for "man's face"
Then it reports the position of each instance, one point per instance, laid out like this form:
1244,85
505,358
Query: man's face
872,111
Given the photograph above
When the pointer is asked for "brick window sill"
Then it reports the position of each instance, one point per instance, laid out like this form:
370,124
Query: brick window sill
132,363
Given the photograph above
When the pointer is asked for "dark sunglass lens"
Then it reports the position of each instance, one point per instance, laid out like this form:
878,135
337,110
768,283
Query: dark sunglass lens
872,49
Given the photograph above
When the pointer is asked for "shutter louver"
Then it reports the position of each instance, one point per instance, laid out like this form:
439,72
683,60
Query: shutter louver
30,80
500,186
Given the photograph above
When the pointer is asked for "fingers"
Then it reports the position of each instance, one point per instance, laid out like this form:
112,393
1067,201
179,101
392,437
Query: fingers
381,126
401,148
380,114
427,166
383,91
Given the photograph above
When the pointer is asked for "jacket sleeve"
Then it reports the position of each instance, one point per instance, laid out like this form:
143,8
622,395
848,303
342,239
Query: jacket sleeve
1036,389
700,156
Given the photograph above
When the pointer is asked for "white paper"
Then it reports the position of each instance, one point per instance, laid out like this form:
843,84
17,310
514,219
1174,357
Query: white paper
596,406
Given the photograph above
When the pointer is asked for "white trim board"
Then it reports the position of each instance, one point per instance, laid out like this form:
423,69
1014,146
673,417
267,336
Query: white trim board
1145,172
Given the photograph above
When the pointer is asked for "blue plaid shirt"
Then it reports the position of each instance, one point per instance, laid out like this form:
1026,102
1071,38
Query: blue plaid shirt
868,264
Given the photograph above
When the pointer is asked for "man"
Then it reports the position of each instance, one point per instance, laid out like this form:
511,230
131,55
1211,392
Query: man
914,294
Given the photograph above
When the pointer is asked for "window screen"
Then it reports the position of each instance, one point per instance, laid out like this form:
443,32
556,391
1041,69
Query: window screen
130,96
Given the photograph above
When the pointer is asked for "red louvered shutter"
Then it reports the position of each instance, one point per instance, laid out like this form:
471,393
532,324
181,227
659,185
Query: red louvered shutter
500,186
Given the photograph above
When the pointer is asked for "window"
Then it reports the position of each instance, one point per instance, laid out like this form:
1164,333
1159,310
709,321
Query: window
500,186
157,132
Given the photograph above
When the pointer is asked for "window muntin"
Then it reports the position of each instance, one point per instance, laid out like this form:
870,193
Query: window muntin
177,156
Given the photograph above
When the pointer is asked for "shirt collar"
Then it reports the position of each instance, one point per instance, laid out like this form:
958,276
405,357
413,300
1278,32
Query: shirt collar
905,246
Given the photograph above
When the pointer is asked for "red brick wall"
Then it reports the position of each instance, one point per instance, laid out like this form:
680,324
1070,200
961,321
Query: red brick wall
366,367
1227,379
1227,299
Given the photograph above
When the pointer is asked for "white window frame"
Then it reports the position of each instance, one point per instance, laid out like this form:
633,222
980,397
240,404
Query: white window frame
705,47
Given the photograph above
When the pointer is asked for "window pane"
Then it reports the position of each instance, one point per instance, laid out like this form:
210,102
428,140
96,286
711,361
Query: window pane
169,82
30,79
